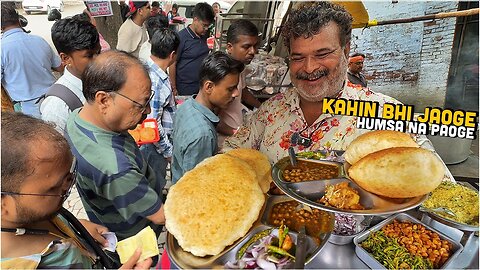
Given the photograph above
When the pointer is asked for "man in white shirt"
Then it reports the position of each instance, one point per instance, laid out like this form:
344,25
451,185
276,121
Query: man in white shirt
77,42
132,34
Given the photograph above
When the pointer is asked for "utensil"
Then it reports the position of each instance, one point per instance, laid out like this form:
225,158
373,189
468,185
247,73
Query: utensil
293,157
437,210
304,207
366,221
301,249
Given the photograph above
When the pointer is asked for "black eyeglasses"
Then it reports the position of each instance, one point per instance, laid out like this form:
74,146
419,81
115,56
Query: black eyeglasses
71,177
140,106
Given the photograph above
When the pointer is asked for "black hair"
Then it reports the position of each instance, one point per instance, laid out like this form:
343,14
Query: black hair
54,15
164,42
108,72
155,23
357,54
82,17
310,17
155,4
218,65
69,35
9,16
216,3
20,133
204,12
175,6
241,27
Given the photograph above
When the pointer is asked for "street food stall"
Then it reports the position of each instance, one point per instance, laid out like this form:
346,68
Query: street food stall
384,207
341,204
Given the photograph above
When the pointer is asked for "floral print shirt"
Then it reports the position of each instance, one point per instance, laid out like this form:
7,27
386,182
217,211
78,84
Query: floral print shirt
270,128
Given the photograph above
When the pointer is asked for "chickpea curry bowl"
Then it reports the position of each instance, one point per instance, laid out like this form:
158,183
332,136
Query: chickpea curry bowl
312,170
283,210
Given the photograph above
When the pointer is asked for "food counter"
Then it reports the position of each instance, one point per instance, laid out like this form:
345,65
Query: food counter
358,225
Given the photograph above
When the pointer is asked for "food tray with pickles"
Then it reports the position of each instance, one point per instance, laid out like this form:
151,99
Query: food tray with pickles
312,178
318,226
403,242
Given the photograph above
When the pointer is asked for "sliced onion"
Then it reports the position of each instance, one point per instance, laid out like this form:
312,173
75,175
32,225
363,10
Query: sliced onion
266,265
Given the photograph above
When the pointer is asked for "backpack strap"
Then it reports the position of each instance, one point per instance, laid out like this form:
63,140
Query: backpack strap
65,94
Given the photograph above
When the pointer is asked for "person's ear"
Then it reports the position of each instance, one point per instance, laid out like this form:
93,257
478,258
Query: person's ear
208,87
346,51
172,56
8,206
66,59
229,47
103,100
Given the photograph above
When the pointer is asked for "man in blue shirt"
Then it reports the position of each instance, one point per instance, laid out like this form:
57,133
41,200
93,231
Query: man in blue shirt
191,52
163,53
27,63
194,134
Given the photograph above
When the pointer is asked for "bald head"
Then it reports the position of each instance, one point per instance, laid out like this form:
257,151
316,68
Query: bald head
108,72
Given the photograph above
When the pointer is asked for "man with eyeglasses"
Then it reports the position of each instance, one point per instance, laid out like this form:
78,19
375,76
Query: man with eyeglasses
38,172
317,35
191,52
117,187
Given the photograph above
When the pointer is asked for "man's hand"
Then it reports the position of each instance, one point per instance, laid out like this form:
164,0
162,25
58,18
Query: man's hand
95,231
133,264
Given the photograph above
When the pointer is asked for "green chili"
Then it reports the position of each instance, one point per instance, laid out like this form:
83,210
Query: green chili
280,251
252,240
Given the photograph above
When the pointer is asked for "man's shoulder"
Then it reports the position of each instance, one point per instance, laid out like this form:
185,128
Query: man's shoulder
19,36
366,94
53,254
183,34
127,25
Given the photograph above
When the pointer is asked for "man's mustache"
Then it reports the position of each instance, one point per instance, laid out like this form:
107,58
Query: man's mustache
312,76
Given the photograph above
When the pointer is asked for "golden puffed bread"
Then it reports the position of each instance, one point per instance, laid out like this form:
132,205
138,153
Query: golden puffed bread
375,141
135,134
259,163
213,205
400,172
147,134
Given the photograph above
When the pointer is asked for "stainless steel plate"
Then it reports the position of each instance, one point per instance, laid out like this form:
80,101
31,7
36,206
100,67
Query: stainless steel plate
309,192
368,259
452,223
184,259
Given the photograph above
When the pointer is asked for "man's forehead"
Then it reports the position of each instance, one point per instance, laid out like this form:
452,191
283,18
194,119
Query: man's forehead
247,39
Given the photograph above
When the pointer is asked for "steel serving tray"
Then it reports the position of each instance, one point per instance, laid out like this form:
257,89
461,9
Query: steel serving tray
368,259
308,192
452,223
184,259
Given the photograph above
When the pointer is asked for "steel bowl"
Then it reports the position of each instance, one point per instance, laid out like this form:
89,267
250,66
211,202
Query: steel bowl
338,239
343,239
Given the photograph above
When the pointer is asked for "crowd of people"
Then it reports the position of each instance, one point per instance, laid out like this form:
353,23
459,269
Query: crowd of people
74,131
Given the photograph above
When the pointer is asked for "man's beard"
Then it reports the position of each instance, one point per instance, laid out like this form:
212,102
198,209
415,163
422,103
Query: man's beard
328,87
28,216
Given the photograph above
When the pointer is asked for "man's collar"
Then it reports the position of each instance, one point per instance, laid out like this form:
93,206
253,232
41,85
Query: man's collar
159,71
12,31
205,111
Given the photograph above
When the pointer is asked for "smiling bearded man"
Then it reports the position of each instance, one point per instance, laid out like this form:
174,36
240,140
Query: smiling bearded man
317,35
